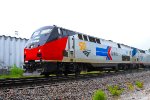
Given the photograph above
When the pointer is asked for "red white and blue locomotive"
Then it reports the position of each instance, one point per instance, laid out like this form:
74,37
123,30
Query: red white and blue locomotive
55,50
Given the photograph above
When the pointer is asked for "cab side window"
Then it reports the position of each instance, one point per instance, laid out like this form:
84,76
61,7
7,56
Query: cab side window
91,39
119,45
64,33
60,31
80,36
98,41
85,38
70,33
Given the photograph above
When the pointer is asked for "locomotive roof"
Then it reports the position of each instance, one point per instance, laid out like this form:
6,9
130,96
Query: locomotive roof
102,39
45,27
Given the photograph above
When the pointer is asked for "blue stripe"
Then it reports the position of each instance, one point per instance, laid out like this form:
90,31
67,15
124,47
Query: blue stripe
134,51
102,52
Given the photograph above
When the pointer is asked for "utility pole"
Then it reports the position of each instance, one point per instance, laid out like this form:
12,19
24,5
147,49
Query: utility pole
16,33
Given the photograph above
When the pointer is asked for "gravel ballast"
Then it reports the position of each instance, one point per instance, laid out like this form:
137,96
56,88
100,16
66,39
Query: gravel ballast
81,89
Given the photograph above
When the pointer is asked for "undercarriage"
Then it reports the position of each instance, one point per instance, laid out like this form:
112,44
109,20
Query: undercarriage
47,68
65,68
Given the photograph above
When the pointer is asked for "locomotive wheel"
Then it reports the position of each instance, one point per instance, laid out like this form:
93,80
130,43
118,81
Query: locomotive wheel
59,73
77,70
65,69
137,66
46,74
133,66
116,68
125,67
59,70
120,66
66,73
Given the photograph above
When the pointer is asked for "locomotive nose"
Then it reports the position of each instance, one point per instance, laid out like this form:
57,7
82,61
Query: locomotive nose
32,54
39,53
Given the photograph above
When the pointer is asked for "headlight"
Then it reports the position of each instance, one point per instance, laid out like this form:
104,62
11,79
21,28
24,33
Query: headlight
39,50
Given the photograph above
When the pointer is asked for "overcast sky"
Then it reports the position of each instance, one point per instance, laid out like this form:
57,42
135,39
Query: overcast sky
123,21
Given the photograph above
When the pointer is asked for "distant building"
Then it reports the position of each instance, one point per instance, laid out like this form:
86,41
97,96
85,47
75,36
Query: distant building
11,51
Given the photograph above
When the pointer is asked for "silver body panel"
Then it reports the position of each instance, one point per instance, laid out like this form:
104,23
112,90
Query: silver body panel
95,53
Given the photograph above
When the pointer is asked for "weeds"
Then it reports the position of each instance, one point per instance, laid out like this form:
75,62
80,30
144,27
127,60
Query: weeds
99,95
115,90
130,86
139,84
15,72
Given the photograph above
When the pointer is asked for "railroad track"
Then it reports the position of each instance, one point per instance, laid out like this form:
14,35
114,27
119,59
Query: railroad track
53,79
36,80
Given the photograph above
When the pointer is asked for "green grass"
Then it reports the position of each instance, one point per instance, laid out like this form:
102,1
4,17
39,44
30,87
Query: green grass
8,76
139,84
115,90
15,76
15,72
130,86
91,72
99,95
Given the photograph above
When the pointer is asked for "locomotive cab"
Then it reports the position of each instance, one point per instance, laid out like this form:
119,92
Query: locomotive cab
45,48
33,49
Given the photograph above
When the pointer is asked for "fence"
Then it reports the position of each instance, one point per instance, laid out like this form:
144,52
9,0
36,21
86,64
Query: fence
11,51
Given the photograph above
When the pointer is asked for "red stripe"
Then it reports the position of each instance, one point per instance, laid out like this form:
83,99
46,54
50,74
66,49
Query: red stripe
109,55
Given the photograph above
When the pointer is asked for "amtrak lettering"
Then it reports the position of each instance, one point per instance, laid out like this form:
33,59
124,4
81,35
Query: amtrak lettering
114,54
104,52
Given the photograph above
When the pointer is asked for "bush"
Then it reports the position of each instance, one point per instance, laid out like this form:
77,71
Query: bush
139,84
115,90
15,71
99,95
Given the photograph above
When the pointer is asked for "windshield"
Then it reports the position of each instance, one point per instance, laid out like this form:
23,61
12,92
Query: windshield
37,34
39,37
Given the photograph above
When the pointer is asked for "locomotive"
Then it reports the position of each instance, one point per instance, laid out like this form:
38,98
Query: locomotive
56,50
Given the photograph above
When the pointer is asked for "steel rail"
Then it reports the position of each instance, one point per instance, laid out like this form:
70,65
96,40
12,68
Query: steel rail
53,79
